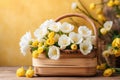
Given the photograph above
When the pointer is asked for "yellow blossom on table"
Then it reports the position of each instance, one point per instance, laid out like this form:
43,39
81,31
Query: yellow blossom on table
118,15
103,31
101,17
74,47
35,43
20,72
110,3
51,34
92,6
29,72
40,50
50,41
108,72
116,43
116,2
116,52
35,54
113,69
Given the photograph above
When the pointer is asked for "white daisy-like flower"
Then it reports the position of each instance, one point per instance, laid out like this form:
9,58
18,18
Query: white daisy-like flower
86,47
74,5
84,31
24,43
66,27
40,33
75,38
108,25
42,30
54,53
55,26
64,41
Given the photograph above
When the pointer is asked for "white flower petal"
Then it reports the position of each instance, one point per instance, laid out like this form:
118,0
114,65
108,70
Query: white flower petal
75,38
64,40
56,37
24,42
74,5
55,26
40,33
54,53
84,31
86,47
66,27
108,25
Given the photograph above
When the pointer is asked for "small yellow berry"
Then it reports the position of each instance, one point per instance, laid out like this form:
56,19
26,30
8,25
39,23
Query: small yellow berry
35,54
92,6
35,43
108,72
20,72
40,44
29,73
51,34
50,41
110,3
103,31
40,50
101,17
74,47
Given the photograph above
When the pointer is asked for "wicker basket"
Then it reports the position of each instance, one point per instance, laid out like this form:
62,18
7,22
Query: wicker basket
71,63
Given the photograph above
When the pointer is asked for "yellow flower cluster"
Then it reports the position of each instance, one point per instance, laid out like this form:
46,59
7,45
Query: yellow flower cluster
113,3
40,49
50,40
116,46
21,72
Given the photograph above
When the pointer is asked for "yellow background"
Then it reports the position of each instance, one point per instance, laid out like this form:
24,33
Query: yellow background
20,16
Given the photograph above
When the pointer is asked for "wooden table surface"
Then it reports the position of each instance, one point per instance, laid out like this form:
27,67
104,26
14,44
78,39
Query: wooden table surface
8,73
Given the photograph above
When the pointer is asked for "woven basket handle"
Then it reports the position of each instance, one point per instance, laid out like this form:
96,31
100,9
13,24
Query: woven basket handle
84,17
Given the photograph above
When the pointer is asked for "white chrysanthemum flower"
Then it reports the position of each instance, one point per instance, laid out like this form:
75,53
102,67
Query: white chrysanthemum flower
55,26
54,53
86,47
56,37
64,41
84,31
66,27
108,25
74,5
24,43
75,38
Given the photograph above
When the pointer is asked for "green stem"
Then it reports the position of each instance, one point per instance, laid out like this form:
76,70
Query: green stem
88,13
83,6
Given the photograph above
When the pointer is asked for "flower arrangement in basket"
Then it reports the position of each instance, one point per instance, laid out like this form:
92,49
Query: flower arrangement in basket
55,44
108,18
52,37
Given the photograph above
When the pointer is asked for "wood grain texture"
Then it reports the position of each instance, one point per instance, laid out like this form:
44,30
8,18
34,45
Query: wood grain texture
8,73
